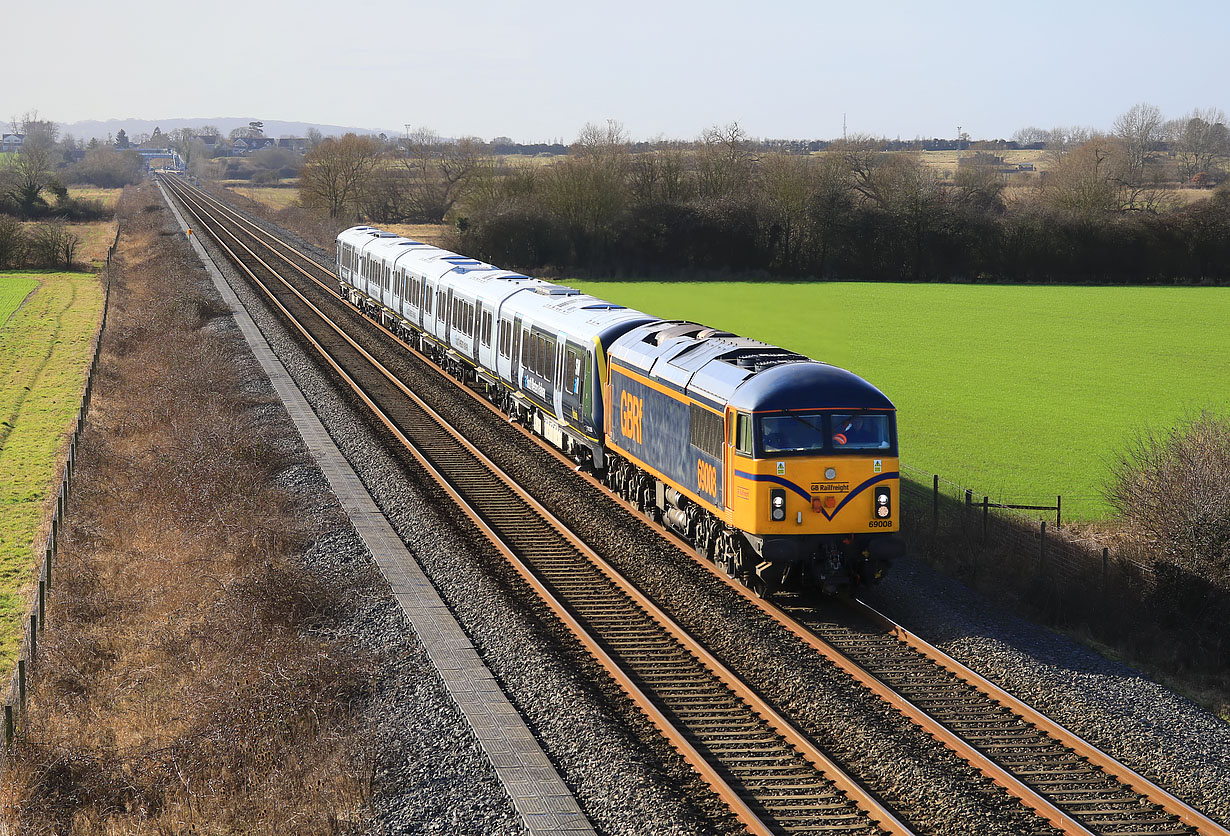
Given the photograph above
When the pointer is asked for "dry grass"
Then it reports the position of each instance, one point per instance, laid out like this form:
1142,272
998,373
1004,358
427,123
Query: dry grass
95,237
273,197
187,683
438,234
107,197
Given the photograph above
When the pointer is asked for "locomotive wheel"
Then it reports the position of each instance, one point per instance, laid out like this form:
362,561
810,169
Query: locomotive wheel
729,554
703,544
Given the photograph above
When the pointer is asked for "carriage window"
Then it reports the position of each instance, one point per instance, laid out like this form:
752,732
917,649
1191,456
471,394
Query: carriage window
574,371
488,321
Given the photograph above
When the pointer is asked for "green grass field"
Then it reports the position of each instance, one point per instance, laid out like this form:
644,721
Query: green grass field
45,350
1022,393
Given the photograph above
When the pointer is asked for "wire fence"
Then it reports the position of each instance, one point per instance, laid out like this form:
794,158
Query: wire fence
36,617
1030,536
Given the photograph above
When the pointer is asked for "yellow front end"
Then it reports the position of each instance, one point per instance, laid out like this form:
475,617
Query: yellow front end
802,495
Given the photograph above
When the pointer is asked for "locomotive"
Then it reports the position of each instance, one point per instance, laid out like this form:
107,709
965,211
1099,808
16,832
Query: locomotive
781,469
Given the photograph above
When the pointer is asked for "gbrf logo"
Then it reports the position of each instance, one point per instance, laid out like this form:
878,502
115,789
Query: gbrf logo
631,410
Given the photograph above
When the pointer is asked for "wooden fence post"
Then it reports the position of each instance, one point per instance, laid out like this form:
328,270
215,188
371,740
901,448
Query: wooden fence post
935,503
1058,509
1042,546
986,513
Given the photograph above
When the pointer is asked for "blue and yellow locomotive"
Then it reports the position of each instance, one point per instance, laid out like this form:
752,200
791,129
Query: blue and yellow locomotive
780,469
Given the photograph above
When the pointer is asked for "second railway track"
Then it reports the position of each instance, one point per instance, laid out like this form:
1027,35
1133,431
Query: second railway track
1067,782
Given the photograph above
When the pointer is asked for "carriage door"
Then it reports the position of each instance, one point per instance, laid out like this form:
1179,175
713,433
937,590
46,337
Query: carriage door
574,384
448,318
515,369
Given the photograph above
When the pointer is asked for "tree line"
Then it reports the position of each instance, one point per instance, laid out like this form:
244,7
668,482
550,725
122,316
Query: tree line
1108,207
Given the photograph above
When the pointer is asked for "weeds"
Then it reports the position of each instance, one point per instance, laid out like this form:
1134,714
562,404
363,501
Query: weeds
190,681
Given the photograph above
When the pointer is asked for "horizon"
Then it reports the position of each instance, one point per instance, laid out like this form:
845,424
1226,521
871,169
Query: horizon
793,70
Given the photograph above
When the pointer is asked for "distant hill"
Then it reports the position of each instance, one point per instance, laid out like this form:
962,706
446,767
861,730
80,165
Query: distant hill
225,124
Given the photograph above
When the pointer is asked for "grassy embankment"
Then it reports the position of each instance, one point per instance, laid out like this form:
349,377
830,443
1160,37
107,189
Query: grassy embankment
1022,393
47,325
190,683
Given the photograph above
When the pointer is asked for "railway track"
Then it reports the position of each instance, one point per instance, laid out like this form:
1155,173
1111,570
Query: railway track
772,777
1072,786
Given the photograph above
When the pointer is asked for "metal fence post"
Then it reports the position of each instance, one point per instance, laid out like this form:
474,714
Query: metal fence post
986,513
1058,509
1042,546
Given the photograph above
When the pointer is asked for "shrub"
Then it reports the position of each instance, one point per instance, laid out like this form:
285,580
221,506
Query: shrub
1172,492
12,242
53,245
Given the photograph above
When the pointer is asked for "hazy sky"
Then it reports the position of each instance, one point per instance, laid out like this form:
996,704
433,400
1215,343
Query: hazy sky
541,69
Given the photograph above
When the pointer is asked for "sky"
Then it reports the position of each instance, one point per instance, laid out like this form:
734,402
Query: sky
539,70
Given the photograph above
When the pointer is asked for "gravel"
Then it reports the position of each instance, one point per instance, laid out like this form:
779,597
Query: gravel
1163,736
626,780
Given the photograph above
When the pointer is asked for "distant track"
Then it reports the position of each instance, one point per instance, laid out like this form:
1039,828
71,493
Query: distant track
707,712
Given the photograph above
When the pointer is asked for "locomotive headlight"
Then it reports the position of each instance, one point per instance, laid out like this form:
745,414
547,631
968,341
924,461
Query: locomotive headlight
830,474
777,505
883,503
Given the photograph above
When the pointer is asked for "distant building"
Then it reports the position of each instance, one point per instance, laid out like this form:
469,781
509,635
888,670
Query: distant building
248,144
210,141
11,142
298,144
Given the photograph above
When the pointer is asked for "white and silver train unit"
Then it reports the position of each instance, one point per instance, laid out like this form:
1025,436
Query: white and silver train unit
500,330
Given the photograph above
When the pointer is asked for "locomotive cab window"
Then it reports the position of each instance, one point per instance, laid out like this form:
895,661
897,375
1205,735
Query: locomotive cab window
861,431
743,434
792,432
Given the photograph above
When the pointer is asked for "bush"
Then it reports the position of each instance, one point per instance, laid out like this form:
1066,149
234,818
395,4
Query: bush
1172,492
107,169
12,243
53,245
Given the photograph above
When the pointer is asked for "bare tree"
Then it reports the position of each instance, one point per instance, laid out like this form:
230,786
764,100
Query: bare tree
726,161
336,171
1140,130
1063,138
54,245
40,133
1030,136
436,171
12,242
1202,141
589,188
30,174
789,183
659,175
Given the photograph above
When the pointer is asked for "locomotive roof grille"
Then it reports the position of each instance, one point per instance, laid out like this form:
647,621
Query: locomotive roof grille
758,359
557,290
